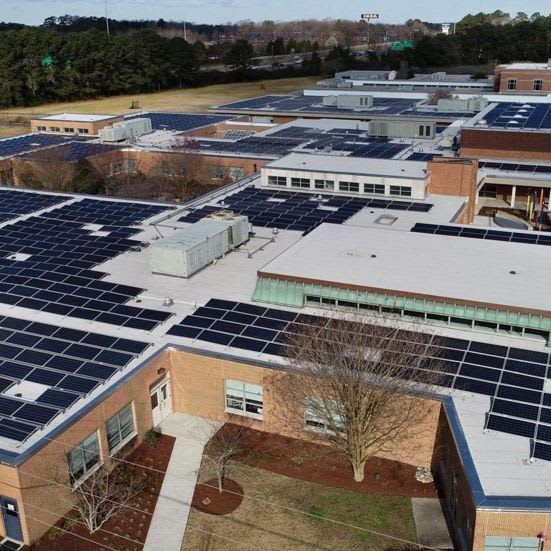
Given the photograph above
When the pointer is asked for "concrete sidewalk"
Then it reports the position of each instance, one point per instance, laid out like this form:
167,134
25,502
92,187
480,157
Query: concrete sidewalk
168,524
432,529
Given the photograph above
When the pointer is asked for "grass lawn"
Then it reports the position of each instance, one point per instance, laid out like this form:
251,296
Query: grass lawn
193,100
265,526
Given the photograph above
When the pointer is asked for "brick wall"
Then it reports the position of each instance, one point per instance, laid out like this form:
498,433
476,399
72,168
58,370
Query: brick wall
50,463
455,177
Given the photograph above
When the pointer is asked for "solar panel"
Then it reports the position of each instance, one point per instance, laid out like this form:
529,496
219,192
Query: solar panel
513,378
179,122
297,211
533,238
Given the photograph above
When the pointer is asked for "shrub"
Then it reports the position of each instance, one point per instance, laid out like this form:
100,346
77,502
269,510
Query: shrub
151,438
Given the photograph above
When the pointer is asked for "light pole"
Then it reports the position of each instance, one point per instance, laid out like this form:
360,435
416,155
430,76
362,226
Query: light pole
106,18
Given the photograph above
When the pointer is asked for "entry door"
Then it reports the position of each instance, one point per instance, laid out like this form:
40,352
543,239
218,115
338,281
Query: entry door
10,515
161,401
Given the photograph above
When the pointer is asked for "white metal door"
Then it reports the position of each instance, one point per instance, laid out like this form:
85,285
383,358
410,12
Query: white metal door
161,401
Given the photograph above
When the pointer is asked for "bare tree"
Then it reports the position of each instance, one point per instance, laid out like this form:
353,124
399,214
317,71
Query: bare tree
48,169
224,444
360,386
104,493
183,173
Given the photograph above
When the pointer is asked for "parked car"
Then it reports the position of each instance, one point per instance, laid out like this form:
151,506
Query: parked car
298,60
278,65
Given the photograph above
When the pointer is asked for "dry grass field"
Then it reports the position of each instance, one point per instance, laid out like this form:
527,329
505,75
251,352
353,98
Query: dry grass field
187,100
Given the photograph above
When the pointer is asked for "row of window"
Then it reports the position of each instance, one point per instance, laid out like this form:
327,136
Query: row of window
85,457
537,84
57,129
247,399
329,185
439,319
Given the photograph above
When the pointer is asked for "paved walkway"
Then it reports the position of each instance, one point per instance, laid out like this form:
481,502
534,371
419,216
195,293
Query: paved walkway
432,529
168,524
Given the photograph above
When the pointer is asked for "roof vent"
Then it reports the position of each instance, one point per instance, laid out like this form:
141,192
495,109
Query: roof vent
168,302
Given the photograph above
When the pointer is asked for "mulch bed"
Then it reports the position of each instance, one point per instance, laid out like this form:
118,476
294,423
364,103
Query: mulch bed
316,463
220,503
128,523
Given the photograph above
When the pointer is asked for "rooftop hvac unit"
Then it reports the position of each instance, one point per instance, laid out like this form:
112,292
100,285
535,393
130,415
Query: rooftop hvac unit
126,130
191,249
330,101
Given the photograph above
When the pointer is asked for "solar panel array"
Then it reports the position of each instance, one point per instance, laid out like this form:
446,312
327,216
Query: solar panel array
68,362
513,378
515,167
519,116
30,142
421,156
46,263
73,151
15,203
179,122
314,104
297,211
534,238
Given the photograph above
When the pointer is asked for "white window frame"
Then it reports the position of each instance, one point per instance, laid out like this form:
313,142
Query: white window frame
123,439
301,183
345,186
377,189
311,421
538,85
400,191
239,394
324,184
87,471
511,84
280,181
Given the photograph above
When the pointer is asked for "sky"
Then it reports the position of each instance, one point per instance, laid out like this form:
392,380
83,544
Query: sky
224,11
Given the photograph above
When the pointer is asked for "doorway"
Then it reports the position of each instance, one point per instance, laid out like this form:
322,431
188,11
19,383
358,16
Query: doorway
10,516
161,400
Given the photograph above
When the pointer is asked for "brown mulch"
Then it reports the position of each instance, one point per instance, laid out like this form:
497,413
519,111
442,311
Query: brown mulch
219,503
127,523
316,463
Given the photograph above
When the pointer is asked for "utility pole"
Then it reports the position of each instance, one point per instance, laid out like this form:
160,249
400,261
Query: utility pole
106,18
185,30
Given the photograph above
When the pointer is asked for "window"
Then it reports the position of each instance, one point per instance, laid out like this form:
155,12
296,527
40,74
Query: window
236,173
131,166
427,131
120,428
324,184
244,398
83,131
323,415
55,129
41,129
117,168
84,458
349,186
402,191
300,182
538,84
280,181
421,130
218,171
512,84
374,188
69,130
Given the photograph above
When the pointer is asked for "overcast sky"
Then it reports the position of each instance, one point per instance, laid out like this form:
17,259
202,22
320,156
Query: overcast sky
223,11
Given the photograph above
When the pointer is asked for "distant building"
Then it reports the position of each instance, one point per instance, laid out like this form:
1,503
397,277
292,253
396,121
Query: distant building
522,78
446,28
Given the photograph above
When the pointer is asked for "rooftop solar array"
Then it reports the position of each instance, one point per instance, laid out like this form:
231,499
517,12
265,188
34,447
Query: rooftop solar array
115,213
513,378
15,203
31,142
515,167
179,122
519,116
534,238
421,156
314,104
46,263
297,211
73,151
68,363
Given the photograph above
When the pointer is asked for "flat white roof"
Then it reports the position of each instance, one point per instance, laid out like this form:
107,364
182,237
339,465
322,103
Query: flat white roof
350,165
527,66
454,268
77,117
